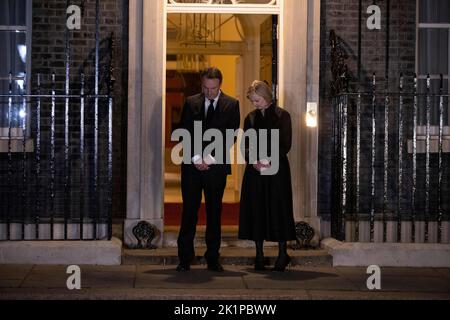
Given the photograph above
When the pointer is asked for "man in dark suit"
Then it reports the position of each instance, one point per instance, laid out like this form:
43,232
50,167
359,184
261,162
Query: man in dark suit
214,110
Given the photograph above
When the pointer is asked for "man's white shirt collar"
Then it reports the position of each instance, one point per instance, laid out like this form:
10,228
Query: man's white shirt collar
216,99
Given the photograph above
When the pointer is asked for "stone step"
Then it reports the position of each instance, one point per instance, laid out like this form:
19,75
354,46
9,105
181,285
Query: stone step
233,251
229,238
229,256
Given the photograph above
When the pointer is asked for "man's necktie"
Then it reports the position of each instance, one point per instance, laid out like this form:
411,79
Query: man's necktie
210,113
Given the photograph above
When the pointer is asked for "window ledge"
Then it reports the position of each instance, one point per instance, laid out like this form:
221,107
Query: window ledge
16,145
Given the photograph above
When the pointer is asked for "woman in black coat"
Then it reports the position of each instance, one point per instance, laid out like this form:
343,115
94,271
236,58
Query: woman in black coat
266,211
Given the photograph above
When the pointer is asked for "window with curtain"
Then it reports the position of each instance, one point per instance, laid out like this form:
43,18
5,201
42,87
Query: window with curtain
433,46
15,41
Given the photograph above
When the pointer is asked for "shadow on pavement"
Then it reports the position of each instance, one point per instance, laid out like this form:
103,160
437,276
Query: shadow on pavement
292,275
194,276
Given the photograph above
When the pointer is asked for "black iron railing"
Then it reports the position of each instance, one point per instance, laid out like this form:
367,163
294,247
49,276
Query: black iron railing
391,166
59,186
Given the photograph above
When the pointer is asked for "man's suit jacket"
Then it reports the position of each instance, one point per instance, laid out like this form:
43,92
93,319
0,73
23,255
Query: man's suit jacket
226,116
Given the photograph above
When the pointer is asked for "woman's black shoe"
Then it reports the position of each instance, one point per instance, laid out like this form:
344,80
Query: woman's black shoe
215,266
259,264
281,263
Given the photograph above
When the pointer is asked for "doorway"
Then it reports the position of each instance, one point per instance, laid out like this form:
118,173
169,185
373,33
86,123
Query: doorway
245,48
299,61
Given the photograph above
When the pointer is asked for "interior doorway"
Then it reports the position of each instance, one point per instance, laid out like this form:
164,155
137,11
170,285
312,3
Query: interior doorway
245,48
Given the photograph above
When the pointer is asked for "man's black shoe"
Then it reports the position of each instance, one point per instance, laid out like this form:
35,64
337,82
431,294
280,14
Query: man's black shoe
217,267
182,267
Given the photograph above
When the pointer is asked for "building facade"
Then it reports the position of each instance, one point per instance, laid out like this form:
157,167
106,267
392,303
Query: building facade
86,147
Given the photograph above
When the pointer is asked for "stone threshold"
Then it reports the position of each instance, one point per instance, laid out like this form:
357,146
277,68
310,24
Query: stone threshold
229,256
229,238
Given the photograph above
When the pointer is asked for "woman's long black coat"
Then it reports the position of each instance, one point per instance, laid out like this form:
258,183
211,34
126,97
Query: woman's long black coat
266,211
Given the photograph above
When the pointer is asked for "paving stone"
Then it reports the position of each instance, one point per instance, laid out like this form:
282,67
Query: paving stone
10,283
11,271
198,277
299,278
415,284
237,282
393,271
403,282
44,276
108,277
192,294
359,275
375,295
409,272
443,272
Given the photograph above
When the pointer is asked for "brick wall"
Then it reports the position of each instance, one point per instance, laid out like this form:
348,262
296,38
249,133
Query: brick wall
340,15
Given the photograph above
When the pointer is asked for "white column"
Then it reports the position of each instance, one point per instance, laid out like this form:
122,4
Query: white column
299,83
312,137
134,109
145,117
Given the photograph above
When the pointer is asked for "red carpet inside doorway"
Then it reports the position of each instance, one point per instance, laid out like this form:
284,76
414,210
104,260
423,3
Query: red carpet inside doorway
172,214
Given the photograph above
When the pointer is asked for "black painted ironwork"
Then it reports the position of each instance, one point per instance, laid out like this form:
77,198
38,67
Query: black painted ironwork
304,233
67,194
82,146
38,160
414,165
52,159
145,232
339,69
386,120
111,82
358,165
386,161
45,190
411,184
362,168
339,84
440,157
400,126
96,90
344,168
427,158
336,221
335,183
372,161
23,115
11,193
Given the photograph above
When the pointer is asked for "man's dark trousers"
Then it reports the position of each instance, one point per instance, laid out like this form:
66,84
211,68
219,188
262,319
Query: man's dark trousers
212,182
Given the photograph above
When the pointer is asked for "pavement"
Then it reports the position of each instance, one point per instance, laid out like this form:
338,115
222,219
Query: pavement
138,280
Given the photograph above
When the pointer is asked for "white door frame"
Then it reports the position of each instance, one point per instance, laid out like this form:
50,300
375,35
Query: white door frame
273,7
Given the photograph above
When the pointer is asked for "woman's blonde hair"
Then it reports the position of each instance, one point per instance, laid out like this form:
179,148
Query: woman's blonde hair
262,89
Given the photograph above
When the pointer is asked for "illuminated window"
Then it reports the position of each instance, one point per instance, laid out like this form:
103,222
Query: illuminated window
433,50
15,45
